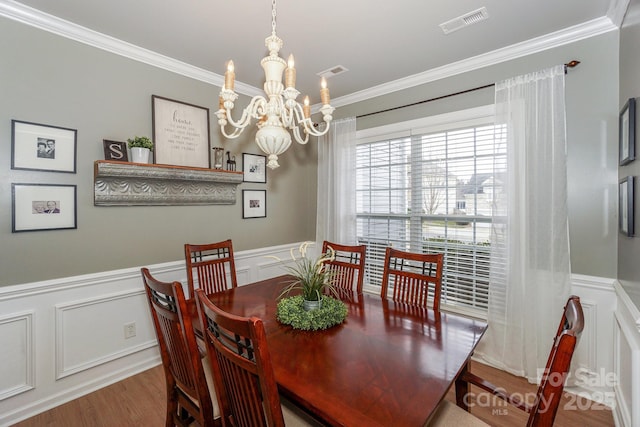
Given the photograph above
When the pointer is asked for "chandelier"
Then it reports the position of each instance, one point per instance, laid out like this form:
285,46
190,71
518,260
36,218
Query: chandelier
278,113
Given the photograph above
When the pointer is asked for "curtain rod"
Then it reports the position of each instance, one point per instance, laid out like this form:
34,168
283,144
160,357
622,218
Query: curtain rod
569,64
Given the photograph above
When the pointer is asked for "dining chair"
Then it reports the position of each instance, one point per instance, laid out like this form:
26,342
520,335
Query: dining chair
348,265
242,371
410,275
545,406
190,392
212,265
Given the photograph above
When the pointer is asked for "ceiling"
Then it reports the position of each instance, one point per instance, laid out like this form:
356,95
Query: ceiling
385,45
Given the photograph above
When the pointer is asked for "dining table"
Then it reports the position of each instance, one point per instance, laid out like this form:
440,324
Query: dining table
387,364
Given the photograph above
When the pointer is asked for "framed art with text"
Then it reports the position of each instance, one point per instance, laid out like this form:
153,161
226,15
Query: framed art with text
254,203
180,133
37,207
627,132
626,208
254,168
43,147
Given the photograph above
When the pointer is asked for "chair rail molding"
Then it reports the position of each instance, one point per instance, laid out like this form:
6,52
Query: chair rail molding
134,184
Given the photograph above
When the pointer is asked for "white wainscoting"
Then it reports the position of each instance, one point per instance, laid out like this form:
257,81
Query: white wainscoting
64,338
592,364
17,354
626,348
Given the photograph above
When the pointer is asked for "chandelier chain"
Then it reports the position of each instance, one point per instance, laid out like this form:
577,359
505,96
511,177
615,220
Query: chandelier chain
273,17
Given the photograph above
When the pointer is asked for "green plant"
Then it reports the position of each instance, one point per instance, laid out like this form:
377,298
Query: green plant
291,312
140,141
312,277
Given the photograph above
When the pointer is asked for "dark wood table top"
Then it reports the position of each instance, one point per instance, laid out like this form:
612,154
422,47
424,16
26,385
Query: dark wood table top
388,364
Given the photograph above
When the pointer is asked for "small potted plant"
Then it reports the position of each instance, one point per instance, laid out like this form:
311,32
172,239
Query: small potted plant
312,310
141,147
312,277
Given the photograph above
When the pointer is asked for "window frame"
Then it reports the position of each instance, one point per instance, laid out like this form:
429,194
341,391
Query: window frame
468,118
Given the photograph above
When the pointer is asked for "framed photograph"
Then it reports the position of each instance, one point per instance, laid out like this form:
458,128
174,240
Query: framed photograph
627,132
115,150
625,213
37,207
254,203
43,147
180,133
254,167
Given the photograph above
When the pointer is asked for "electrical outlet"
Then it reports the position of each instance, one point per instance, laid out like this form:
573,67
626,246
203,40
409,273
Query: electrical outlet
130,330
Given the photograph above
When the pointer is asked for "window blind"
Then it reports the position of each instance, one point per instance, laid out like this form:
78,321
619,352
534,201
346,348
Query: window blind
433,192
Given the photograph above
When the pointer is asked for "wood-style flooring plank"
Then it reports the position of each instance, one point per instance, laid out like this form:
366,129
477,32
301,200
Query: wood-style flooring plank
496,412
140,401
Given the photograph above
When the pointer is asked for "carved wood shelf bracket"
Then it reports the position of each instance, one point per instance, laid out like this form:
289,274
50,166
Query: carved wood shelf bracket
136,184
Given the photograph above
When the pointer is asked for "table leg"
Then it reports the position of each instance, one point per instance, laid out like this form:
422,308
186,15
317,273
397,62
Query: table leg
462,388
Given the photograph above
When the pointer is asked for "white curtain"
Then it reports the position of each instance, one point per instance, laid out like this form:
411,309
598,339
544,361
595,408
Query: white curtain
336,218
526,297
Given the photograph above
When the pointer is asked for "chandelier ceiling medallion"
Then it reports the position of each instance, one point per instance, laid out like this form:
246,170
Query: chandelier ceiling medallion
279,112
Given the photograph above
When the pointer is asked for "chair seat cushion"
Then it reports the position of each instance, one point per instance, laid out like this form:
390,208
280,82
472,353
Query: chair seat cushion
296,417
449,414
212,391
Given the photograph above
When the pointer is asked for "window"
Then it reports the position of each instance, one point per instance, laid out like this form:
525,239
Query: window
431,187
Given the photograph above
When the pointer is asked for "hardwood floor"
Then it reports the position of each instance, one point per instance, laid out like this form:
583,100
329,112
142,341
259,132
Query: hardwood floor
140,401
495,412
136,401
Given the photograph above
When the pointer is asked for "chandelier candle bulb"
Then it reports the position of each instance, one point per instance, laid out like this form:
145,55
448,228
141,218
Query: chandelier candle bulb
229,76
324,92
290,74
306,108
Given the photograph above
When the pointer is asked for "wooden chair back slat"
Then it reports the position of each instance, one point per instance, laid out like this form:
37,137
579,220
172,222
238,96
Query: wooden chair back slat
211,266
241,367
188,396
348,266
412,277
543,411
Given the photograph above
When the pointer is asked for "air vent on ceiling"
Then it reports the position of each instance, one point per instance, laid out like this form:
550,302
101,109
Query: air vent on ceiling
333,71
465,20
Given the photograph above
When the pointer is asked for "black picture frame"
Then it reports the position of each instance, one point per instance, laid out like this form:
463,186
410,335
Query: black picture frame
254,204
627,132
39,147
39,207
254,168
626,206
115,150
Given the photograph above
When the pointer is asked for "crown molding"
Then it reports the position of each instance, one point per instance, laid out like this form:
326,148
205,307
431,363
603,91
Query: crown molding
617,10
44,21
33,17
568,35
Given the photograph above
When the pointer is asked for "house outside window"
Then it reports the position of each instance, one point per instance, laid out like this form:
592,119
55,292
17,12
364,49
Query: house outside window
433,185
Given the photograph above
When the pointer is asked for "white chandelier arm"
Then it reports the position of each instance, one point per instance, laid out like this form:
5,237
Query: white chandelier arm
236,132
311,130
255,110
298,137
291,116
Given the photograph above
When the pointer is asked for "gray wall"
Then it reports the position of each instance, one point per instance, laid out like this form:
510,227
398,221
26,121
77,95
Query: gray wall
51,80
629,247
592,104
